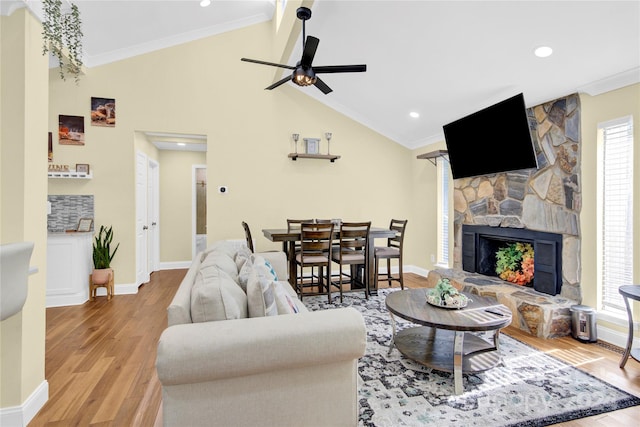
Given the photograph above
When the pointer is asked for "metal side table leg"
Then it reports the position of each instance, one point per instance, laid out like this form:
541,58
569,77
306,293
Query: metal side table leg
393,334
627,350
457,362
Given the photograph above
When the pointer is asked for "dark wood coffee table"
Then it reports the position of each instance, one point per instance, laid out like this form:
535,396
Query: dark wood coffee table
445,341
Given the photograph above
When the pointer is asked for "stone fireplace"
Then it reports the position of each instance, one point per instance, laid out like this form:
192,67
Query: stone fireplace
480,244
546,200
540,206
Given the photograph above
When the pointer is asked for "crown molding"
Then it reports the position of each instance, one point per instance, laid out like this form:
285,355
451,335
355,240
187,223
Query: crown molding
613,82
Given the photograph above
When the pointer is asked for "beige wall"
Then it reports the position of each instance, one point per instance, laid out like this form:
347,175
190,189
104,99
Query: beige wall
23,109
203,88
597,109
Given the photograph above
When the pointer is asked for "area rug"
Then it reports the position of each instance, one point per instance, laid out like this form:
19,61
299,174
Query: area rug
529,387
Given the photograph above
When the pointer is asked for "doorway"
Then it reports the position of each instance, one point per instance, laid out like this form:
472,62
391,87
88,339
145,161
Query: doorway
199,209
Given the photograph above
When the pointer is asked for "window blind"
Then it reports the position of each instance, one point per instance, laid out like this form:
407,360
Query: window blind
443,226
617,210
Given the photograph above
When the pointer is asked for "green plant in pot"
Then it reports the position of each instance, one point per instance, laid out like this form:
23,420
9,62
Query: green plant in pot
103,255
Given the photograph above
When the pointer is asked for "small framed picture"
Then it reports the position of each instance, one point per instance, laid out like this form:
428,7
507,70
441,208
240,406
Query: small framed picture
85,224
82,168
312,145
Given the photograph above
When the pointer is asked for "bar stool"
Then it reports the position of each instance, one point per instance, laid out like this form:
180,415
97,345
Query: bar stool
393,250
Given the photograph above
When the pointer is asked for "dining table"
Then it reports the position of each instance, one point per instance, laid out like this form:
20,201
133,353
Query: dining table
290,237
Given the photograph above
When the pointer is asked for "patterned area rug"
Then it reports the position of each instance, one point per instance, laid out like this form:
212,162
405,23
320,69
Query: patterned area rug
529,388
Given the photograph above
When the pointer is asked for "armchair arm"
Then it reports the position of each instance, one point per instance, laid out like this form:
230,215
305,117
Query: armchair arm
200,352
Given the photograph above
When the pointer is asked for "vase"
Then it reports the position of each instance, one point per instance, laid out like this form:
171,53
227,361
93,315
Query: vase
101,276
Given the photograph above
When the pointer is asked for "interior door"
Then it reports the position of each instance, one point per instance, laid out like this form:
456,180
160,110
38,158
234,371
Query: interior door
153,209
142,271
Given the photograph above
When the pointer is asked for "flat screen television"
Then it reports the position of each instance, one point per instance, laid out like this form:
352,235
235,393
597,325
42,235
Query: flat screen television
494,139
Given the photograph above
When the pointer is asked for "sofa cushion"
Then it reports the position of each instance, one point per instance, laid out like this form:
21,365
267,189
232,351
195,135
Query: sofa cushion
216,296
260,296
222,261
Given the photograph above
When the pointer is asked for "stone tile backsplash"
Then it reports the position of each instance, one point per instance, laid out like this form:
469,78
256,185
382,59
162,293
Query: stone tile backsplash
66,211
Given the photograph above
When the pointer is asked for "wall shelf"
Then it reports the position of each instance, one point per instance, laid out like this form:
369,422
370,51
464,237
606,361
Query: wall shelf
70,175
331,157
432,155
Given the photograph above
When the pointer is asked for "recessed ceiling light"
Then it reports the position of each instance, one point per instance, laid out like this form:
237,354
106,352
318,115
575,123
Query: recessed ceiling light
414,114
543,51
205,3
181,144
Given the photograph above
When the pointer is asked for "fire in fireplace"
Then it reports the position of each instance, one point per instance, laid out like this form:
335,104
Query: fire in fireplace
481,244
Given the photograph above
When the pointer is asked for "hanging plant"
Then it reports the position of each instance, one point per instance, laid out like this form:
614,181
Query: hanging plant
514,263
63,30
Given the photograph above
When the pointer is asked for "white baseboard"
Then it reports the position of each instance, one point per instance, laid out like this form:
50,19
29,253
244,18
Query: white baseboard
174,265
20,416
82,297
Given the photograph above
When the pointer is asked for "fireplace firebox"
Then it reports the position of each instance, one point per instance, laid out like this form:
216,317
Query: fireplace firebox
480,244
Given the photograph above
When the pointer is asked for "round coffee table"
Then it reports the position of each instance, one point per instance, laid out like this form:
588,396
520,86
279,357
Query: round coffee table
445,341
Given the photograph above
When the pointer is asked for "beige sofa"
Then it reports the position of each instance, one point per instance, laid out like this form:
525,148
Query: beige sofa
295,369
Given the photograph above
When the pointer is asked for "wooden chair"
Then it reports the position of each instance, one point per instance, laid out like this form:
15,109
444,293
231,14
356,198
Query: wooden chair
315,251
93,287
353,251
247,234
393,250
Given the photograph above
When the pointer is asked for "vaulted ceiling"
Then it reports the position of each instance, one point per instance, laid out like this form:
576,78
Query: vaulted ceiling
440,59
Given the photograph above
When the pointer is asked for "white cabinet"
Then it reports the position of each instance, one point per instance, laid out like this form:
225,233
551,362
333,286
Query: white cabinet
69,264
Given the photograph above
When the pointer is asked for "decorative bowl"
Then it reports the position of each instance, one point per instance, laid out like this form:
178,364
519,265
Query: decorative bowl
455,302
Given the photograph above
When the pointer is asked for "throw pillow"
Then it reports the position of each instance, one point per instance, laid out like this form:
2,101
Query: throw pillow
216,296
263,267
284,301
260,296
243,274
242,256
222,261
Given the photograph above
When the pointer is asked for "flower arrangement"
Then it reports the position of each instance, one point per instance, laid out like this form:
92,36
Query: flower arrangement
514,263
445,295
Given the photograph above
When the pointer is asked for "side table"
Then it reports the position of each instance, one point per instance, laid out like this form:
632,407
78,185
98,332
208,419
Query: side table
633,292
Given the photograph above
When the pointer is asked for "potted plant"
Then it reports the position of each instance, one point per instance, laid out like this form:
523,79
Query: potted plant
102,255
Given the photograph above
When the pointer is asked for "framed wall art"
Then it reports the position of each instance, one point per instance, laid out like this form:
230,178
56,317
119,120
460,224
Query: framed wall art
82,168
103,112
71,130
312,145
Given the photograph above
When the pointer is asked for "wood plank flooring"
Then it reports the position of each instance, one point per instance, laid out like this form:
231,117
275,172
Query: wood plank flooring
100,360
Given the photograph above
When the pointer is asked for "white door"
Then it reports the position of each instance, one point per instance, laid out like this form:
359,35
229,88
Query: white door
142,270
153,209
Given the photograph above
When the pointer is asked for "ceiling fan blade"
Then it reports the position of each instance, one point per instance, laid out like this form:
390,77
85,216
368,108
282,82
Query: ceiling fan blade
273,64
309,52
322,86
278,83
340,69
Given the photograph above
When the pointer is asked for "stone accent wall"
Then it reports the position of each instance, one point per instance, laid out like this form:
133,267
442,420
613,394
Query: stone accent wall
547,199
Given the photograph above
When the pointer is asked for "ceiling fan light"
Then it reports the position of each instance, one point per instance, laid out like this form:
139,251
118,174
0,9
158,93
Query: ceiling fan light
303,77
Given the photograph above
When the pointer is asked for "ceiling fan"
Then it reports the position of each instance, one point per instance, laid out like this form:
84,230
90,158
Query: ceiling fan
303,73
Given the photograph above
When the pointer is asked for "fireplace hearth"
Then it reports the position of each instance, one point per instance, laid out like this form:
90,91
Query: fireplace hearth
480,244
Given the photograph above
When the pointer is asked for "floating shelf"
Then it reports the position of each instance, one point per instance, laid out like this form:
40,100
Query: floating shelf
331,157
70,175
432,155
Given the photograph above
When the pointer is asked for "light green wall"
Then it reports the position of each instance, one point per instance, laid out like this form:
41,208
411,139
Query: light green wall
23,182
597,109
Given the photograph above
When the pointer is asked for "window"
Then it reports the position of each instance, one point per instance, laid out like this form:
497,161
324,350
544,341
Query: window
617,210
443,212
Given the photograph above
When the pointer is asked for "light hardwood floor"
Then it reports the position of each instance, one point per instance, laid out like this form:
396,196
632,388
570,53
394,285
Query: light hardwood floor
100,360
